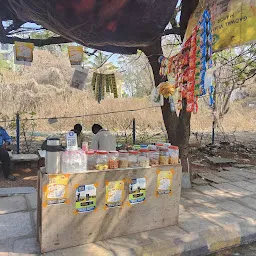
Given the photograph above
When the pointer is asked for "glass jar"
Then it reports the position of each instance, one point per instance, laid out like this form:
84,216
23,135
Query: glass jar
143,158
133,159
154,157
113,160
101,160
159,144
173,155
167,145
136,147
152,147
164,156
83,157
123,159
85,146
91,160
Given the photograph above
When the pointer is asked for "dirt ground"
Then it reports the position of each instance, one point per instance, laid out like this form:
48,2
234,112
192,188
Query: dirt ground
26,177
241,147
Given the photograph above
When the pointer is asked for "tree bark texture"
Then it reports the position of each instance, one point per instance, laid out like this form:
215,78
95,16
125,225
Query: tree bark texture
178,128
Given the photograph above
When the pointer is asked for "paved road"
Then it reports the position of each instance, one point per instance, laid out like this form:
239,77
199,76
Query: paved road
245,250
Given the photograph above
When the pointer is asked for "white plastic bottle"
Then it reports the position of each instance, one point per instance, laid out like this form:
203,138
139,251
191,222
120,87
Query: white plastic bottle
65,163
77,161
71,162
83,167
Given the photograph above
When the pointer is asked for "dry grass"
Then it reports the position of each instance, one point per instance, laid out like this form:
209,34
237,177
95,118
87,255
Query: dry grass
44,88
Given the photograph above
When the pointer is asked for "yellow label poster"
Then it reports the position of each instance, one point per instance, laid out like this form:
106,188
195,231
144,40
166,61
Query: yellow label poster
115,193
57,189
164,182
233,22
76,55
24,51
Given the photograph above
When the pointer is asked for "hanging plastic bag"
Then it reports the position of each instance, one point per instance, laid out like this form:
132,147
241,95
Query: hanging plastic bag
79,78
172,104
208,80
156,98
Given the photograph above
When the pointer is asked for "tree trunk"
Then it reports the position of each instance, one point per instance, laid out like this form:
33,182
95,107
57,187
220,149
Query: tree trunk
178,128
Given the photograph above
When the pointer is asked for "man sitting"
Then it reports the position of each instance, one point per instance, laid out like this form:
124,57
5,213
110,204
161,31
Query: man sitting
103,139
5,140
80,136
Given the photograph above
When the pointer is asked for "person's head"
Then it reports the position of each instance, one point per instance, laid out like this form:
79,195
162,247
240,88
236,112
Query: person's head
78,129
96,128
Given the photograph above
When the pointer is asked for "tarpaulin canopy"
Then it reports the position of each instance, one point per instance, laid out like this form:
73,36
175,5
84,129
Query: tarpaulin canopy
114,25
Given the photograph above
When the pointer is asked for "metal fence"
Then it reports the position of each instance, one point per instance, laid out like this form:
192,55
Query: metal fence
28,134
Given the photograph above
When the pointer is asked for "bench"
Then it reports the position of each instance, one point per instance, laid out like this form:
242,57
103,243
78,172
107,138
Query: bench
24,158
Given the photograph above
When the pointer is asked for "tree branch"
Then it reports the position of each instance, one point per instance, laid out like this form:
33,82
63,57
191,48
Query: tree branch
37,42
61,40
172,31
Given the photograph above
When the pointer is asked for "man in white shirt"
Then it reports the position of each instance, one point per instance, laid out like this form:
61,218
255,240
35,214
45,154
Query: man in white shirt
103,139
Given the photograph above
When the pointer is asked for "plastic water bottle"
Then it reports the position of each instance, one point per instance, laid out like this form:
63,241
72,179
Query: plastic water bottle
71,162
77,161
65,162
83,167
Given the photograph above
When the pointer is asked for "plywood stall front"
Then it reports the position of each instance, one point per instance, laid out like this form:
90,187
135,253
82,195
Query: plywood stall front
82,208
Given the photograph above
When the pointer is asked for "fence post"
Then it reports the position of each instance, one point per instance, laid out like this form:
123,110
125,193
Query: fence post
213,132
214,109
133,131
18,132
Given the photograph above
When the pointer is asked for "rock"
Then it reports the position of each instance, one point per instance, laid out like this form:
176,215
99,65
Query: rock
244,166
200,182
220,160
185,183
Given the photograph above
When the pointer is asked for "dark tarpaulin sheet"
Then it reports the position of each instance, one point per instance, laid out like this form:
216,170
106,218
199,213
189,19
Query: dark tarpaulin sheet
122,23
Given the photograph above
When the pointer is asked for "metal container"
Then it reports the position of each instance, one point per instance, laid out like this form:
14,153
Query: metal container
53,156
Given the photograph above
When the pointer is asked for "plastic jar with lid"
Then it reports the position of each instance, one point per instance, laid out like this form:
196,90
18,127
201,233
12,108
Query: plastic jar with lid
101,160
167,145
91,160
173,155
143,158
133,159
154,157
163,156
159,145
152,147
123,159
113,160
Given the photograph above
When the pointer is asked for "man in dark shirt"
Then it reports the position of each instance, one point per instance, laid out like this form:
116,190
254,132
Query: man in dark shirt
5,140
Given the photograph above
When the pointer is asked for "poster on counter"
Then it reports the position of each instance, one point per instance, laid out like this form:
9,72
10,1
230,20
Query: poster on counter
86,198
57,189
76,55
23,53
137,191
164,182
114,193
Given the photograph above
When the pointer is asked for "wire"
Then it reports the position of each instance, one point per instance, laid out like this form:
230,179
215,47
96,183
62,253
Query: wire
87,115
